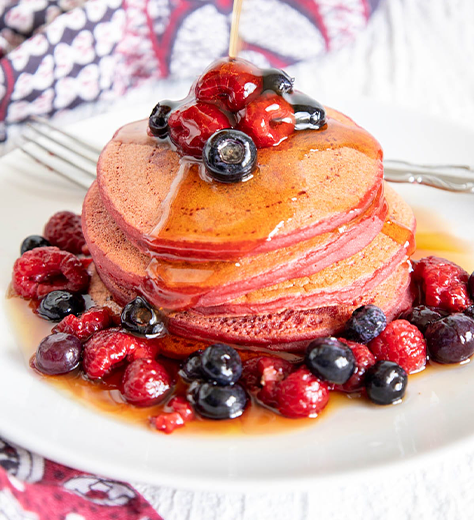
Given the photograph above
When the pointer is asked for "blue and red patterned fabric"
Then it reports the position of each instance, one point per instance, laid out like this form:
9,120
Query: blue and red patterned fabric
57,54
32,488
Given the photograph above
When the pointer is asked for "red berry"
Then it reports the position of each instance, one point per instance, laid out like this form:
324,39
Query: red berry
364,360
64,230
167,422
192,124
145,382
107,349
182,412
301,394
146,349
45,269
443,283
402,343
267,120
262,375
233,82
180,404
90,322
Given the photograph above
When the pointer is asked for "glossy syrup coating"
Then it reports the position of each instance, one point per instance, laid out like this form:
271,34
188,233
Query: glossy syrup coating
58,304
330,360
386,382
327,178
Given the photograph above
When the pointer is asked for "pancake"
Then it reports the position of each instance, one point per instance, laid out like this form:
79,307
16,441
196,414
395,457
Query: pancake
288,330
179,285
123,268
291,330
326,180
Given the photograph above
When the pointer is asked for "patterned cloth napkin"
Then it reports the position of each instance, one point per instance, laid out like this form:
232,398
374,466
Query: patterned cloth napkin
32,488
58,54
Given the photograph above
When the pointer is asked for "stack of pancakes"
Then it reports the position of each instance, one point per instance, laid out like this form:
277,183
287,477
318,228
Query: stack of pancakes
276,260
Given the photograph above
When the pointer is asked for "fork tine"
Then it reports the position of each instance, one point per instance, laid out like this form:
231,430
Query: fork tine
75,139
60,143
59,156
76,180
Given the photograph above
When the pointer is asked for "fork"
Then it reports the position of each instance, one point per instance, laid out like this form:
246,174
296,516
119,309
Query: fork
65,154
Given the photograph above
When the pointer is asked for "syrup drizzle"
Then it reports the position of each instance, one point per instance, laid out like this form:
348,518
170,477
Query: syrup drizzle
234,220
168,278
401,234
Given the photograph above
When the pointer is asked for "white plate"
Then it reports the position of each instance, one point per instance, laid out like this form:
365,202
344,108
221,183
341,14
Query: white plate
437,412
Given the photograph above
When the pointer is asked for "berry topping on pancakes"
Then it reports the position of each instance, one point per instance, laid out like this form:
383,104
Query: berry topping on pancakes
234,93
234,83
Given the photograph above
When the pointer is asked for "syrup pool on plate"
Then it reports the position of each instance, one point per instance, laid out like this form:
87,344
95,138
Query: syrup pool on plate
433,238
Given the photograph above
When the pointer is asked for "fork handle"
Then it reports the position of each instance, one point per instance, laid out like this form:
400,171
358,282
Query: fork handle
435,180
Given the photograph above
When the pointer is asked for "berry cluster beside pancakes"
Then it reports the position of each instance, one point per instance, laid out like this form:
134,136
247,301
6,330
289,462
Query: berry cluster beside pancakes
246,232
279,257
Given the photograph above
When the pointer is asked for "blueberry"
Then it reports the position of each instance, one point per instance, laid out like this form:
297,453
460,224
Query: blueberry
469,311
451,339
230,156
221,364
58,354
309,114
139,317
330,360
32,242
158,120
421,316
385,382
365,324
191,367
219,402
58,304
278,81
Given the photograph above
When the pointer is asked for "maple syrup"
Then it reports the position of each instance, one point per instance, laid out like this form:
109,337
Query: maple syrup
199,216
257,420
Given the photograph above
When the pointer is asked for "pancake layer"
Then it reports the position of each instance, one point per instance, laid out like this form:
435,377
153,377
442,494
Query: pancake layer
277,260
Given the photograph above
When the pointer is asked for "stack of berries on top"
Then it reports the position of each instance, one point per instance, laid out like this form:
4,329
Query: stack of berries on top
372,356
233,109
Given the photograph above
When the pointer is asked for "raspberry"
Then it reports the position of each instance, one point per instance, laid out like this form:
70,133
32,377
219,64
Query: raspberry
364,360
45,269
191,126
301,394
179,404
232,82
90,322
86,262
64,230
444,283
182,412
262,375
167,422
402,343
146,349
145,382
109,348
267,120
